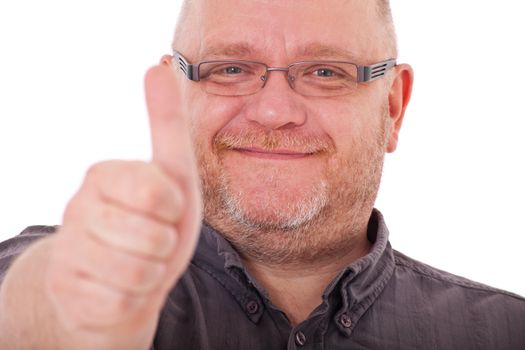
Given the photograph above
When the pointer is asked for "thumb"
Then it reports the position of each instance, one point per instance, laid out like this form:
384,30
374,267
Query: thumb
173,153
170,134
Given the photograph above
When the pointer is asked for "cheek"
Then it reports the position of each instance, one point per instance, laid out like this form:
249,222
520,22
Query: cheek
344,121
354,120
209,114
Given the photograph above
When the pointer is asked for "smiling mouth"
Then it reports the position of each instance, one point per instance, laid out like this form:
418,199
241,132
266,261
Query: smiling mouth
278,154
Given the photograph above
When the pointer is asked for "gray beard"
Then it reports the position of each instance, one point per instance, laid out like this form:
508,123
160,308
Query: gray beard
324,226
302,212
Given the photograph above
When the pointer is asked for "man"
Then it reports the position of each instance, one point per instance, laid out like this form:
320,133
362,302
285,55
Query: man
270,122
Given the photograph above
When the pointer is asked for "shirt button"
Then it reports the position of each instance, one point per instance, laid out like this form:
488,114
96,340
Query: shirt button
345,321
252,307
300,338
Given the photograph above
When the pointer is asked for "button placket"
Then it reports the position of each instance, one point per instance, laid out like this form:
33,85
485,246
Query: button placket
252,307
345,321
300,338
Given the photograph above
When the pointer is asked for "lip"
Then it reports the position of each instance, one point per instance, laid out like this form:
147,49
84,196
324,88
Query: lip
278,154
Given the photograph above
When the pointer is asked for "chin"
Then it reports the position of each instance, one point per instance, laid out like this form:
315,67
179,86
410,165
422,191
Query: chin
280,206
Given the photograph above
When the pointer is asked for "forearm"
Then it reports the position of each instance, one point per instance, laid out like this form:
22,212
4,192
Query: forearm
29,317
27,320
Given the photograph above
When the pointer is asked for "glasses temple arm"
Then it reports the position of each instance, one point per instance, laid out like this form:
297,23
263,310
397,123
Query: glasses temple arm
190,70
374,71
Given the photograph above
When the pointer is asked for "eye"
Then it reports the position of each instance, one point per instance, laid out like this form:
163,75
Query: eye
324,72
232,70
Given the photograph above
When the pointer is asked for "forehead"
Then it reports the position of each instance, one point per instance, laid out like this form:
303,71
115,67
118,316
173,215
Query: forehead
289,29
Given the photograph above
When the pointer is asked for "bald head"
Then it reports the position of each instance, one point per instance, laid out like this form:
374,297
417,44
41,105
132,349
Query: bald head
384,14
189,10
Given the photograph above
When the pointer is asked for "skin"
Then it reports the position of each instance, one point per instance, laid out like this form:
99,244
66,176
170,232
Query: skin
130,231
348,135
127,236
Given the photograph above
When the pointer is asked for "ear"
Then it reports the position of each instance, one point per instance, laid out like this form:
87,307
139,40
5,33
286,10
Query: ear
398,99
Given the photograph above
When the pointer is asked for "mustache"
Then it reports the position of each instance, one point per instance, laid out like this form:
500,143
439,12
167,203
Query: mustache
271,140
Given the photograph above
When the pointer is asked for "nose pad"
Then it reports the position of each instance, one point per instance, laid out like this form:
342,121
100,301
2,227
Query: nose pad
276,107
264,78
291,81
290,78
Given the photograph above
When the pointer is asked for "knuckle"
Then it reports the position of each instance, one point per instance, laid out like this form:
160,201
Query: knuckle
115,308
60,290
151,195
136,275
75,209
154,241
55,286
160,241
57,279
96,170
94,311
107,215
145,275
80,314
102,172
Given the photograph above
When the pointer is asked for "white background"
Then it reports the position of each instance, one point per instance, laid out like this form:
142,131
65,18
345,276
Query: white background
453,194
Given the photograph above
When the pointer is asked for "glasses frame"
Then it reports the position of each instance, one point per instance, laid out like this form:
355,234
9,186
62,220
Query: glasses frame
365,73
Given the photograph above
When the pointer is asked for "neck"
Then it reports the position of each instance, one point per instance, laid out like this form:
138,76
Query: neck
297,288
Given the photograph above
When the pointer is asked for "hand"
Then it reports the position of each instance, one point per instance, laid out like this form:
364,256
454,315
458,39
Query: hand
128,234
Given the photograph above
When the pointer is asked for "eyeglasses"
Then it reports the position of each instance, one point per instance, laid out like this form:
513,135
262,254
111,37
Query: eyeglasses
308,78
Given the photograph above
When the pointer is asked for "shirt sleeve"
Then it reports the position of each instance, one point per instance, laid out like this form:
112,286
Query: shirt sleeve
13,247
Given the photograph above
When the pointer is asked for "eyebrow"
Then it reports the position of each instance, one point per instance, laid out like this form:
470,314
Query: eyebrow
320,50
241,49
312,50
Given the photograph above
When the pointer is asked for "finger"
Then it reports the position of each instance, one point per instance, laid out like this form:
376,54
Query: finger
170,137
134,233
133,185
127,273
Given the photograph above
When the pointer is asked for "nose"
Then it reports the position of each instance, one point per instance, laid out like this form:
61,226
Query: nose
277,105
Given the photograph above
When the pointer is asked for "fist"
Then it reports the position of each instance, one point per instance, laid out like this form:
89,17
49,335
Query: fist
128,234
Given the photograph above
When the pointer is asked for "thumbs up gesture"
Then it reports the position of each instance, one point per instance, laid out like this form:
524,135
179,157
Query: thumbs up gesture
128,234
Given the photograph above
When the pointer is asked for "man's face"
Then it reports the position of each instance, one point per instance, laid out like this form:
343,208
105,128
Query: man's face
276,164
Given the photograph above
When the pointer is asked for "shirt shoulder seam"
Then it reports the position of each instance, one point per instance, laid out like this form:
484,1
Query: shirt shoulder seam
443,276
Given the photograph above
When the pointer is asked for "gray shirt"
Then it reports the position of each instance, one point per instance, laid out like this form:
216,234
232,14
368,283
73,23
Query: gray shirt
384,300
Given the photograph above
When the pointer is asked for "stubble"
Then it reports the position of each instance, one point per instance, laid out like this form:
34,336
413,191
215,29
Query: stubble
325,223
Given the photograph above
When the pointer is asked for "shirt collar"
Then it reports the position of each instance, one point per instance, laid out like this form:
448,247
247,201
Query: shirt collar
356,287
364,280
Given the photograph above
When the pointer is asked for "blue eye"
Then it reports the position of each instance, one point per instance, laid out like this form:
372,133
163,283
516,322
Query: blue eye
323,72
232,70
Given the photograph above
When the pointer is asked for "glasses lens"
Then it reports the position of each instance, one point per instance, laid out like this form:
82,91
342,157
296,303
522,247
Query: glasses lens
324,78
232,78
